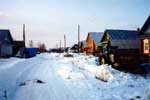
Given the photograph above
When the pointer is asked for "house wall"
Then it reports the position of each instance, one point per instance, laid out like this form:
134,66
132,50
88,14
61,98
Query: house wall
145,50
127,56
123,55
0,50
91,44
6,50
105,42
97,50
82,48
134,56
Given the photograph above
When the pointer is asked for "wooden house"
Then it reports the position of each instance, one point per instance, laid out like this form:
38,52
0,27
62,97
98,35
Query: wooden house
124,44
145,40
6,43
94,44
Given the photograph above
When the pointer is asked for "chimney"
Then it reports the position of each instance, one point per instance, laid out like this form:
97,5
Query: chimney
24,39
139,31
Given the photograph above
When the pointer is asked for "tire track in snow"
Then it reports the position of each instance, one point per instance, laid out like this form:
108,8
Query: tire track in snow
53,86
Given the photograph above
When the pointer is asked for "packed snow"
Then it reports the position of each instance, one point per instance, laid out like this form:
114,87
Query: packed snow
55,77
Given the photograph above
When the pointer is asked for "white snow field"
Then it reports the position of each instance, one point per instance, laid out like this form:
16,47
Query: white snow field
54,77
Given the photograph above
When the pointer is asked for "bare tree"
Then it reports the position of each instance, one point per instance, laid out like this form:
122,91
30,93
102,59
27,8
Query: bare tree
41,47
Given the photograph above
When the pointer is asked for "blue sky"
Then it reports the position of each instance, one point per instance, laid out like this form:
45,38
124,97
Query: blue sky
48,20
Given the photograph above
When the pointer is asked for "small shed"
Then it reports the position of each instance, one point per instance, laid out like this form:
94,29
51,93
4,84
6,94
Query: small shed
6,43
93,41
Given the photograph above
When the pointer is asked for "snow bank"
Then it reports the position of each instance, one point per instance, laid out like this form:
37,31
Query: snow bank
103,73
120,85
67,73
89,63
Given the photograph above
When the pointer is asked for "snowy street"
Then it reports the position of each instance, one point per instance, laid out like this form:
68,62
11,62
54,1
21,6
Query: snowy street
54,77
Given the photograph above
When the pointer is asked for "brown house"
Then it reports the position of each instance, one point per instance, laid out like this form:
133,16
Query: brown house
145,40
94,44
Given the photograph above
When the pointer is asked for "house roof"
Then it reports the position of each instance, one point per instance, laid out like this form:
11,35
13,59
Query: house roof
124,39
146,27
74,47
5,37
19,43
123,34
85,44
96,37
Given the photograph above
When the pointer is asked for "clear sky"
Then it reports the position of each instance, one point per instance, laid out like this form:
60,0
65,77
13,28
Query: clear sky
48,20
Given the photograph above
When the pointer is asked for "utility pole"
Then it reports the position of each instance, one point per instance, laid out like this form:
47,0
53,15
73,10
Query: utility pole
57,46
78,38
24,38
64,43
60,44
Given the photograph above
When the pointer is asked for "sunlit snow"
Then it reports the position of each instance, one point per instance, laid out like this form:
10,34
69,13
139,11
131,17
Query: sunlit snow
54,77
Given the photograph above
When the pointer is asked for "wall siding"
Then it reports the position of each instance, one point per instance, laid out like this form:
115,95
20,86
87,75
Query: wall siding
6,50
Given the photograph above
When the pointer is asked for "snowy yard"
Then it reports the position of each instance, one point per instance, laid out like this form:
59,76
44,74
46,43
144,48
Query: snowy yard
54,77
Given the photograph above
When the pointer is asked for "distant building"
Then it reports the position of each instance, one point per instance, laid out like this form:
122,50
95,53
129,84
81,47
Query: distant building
6,43
74,48
93,42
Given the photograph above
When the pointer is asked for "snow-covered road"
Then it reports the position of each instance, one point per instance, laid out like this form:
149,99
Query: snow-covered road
53,77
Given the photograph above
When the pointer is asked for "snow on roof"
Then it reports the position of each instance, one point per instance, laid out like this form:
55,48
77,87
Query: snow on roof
96,36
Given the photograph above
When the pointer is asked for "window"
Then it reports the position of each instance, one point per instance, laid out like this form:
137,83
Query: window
146,46
146,43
